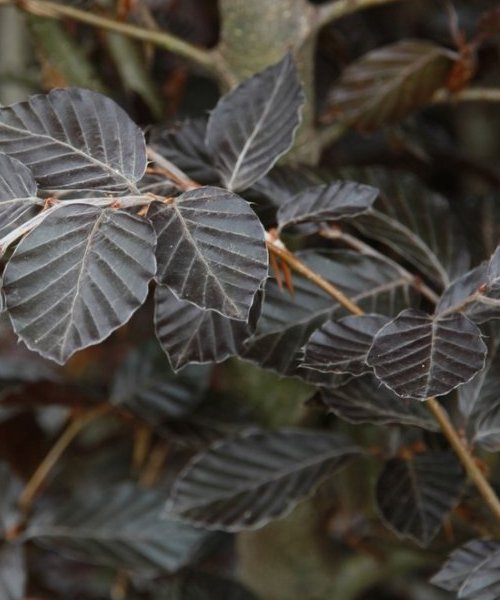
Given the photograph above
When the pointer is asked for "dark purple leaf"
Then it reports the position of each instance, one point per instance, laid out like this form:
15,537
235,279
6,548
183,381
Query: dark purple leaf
417,355
211,250
254,125
13,572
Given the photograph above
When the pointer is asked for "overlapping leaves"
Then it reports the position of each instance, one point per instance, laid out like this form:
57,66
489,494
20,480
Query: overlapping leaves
255,477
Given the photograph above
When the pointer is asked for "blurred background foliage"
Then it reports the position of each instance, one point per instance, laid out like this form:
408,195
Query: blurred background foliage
332,546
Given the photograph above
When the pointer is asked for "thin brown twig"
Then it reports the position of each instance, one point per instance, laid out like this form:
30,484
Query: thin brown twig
36,481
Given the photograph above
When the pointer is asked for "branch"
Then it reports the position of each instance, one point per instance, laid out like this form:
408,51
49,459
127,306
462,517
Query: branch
473,94
208,59
447,428
332,11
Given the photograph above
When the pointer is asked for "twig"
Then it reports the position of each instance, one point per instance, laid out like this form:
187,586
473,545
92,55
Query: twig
208,59
473,471
40,475
292,261
440,415
171,172
473,94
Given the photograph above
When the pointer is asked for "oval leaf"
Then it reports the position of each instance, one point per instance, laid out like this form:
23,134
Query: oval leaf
389,83
464,561
252,126
77,277
74,139
415,495
118,527
327,202
190,334
417,355
484,581
13,572
211,250
18,189
255,477
341,346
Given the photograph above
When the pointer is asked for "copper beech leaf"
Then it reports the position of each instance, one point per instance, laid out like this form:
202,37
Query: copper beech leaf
18,194
13,571
210,250
257,476
389,83
74,139
418,355
415,494
341,346
77,277
327,202
473,571
252,126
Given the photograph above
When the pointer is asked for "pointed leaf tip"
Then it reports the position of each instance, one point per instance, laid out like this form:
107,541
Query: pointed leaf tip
254,125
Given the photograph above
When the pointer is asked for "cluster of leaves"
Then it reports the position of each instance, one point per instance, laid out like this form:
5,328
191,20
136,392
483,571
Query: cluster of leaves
94,232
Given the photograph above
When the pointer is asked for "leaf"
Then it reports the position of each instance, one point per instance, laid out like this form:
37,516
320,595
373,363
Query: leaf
12,572
210,250
327,202
484,581
117,527
418,356
11,488
77,277
189,334
257,476
390,82
288,321
147,386
205,586
417,224
254,125
414,495
18,189
186,148
341,346
362,400
464,561
74,139
476,293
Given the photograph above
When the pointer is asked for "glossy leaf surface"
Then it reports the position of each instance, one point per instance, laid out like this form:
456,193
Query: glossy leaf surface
211,250
255,477
74,139
252,126
77,277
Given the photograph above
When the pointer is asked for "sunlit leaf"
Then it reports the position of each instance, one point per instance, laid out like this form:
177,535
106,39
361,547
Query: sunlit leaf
252,126
364,400
327,202
190,334
257,476
390,82
119,527
341,346
13,572
463,562
77,277
74,139
18,190
417,355
211,250
146,385
414,495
